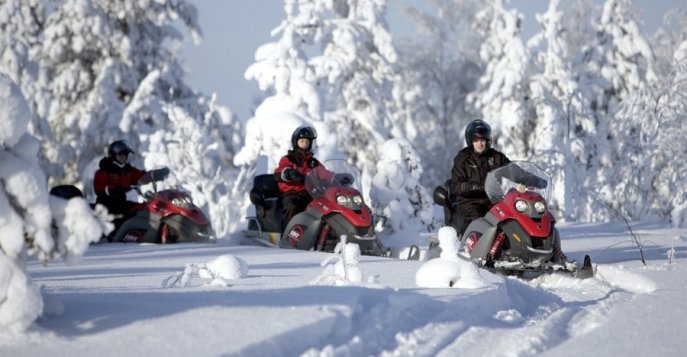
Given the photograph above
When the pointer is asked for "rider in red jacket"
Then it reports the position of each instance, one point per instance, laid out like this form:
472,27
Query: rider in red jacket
291,172
116,176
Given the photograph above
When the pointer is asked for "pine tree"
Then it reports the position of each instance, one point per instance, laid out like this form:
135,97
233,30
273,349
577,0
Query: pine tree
21,24
357,72
502,94
440,65
565,129
96,55
32,223
400,204
623,58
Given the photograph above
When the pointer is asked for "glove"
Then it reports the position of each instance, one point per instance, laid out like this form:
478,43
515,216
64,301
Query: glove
541,183
470,187
160,174
343,179
292,175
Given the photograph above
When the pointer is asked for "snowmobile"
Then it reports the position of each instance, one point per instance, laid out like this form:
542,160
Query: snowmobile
165,216
518,234
337,209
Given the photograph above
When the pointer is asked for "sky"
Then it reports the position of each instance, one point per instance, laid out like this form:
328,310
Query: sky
131,300
233,30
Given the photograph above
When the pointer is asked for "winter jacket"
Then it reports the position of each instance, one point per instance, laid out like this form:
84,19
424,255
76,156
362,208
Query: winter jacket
111,182
300,160
468,175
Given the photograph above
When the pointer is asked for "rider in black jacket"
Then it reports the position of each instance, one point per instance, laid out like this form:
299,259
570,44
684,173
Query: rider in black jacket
470,168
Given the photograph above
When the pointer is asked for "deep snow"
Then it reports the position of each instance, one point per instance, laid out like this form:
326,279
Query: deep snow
113,303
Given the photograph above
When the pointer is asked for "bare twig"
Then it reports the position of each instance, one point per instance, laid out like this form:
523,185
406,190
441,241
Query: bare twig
635,237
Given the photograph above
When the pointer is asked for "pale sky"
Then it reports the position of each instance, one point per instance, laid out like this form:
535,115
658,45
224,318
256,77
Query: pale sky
234,29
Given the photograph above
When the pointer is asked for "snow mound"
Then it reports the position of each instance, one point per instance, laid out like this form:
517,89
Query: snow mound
443,273
449,270
225,267
342,269
616,276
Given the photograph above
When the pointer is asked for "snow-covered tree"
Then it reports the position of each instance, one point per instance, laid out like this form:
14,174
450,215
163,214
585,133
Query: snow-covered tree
621,54
502,94
440,65
31,222
292,98
402,207
624,62
565,130
357,72
191,149
668,38
21,23
96,55
648,180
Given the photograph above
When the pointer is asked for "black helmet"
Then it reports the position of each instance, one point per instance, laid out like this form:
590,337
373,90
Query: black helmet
119,147
307,132
477,128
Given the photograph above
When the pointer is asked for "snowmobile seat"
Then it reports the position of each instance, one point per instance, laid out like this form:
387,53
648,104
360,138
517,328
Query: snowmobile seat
66,191
266,197
265,193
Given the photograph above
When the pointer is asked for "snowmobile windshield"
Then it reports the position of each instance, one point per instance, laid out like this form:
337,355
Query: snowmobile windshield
500,181
332,173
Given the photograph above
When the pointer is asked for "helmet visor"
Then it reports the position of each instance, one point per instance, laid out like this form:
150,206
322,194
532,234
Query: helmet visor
307,132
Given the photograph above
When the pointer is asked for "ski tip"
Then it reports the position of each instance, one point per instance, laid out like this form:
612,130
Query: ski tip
587,271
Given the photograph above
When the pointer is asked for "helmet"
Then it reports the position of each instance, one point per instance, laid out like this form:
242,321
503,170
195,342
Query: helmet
119,147
477,128
307,132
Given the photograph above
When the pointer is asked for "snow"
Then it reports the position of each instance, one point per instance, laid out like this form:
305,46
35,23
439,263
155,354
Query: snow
114,303
449,270
87,73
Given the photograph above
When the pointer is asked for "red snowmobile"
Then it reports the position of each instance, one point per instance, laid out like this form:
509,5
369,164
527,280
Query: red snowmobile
166,216
337,208
518,234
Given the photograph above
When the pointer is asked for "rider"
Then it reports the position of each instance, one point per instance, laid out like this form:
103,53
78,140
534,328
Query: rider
470,168
291,171
116,176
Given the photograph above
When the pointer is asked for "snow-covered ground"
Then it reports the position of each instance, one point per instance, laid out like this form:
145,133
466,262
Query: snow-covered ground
126,300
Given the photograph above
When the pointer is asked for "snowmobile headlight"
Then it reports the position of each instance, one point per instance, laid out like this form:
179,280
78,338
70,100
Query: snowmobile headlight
357,202
343,201
521,206
182,202
352,202
540,207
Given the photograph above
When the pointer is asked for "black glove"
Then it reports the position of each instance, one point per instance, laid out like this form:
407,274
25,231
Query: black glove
470,187
160,174
541,183
343,179
292,175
